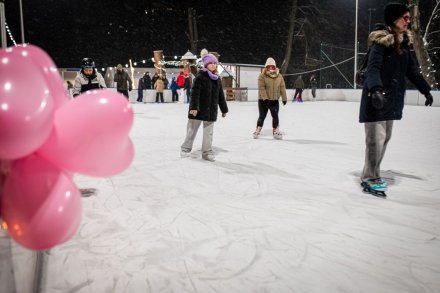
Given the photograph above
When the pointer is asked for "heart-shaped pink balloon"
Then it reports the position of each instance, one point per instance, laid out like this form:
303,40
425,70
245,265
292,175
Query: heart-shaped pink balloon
26,104
90,134
41,205
50,72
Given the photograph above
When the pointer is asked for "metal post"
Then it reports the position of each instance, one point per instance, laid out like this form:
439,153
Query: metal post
21,23
355,45
2,23
320,66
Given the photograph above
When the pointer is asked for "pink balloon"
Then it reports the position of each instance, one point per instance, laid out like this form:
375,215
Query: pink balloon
90,134
26,105
41,204
50,73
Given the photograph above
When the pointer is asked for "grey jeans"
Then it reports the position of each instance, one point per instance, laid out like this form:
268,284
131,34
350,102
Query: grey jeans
191,132
377,136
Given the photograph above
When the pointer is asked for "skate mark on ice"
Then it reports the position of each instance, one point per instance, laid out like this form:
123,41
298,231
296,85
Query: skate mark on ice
87,192
255,168
308,141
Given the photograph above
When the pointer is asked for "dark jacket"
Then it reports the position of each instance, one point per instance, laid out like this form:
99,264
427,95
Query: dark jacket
313,82
386,70
206,96
145,82
122,78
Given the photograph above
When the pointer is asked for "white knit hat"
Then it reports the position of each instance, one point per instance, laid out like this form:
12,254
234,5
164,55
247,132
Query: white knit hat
270,61
203,52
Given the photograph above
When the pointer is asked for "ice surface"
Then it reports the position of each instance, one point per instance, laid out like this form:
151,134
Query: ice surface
268,215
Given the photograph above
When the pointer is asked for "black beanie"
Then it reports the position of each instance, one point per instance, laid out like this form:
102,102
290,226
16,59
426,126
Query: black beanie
393,11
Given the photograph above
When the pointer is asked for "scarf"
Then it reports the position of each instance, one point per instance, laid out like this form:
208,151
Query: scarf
212,76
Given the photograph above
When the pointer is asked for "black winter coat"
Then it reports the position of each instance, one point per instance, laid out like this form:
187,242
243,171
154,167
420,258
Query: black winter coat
206,96
387,70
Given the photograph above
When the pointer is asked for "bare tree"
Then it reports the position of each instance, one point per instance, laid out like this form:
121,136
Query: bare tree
290,37
192,28
419,45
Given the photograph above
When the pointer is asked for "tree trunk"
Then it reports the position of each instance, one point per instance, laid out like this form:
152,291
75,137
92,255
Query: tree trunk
192,26
290,39
419,47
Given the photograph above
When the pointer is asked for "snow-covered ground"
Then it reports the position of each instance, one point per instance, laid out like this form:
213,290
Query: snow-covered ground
267,216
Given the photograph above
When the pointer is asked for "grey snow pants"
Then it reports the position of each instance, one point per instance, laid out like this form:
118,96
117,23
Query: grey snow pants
377,136
191,132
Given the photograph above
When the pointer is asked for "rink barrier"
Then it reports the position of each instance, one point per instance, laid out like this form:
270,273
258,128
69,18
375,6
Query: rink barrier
413,97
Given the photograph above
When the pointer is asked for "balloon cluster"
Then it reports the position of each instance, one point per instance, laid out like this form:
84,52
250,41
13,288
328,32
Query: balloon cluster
45,137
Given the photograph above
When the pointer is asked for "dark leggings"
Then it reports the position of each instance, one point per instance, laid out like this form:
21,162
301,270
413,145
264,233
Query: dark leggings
298,92
175,96
273,107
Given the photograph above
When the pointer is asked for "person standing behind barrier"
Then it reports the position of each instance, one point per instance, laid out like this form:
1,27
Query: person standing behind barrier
174,88
142,85
313,85
123,81
187,87
299,87
153,79
271,87
180,80
159,86
147,80
206,97
88,78
383,92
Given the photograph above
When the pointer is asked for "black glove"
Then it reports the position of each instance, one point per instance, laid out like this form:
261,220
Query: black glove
284,103
129,89
429,99
377,99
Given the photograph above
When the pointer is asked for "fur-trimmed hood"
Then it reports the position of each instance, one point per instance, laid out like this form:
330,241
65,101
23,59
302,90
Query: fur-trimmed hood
386,38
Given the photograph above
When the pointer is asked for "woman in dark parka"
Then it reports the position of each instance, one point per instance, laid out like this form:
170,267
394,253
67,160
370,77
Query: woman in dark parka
389,62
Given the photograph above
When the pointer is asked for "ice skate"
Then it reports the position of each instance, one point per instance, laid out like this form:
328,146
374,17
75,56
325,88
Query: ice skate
277,133
257,132
208,157
373,188
185,153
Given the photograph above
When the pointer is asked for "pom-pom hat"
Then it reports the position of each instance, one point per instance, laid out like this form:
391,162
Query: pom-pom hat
209,58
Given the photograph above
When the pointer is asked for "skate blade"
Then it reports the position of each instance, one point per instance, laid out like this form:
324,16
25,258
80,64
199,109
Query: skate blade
380,194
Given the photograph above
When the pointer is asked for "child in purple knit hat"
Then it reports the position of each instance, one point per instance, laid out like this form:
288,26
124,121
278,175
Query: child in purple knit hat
206,97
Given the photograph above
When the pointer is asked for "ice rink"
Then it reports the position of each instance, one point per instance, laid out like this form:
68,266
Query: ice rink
266,216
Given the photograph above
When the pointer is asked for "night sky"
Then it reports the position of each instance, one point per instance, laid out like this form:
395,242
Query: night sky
242,31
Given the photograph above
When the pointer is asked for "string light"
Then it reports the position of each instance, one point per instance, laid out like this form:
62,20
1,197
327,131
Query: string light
10,34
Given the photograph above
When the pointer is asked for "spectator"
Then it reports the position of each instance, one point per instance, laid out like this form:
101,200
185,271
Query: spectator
159,86
313,85
174,88
144,83
187,87
123,81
